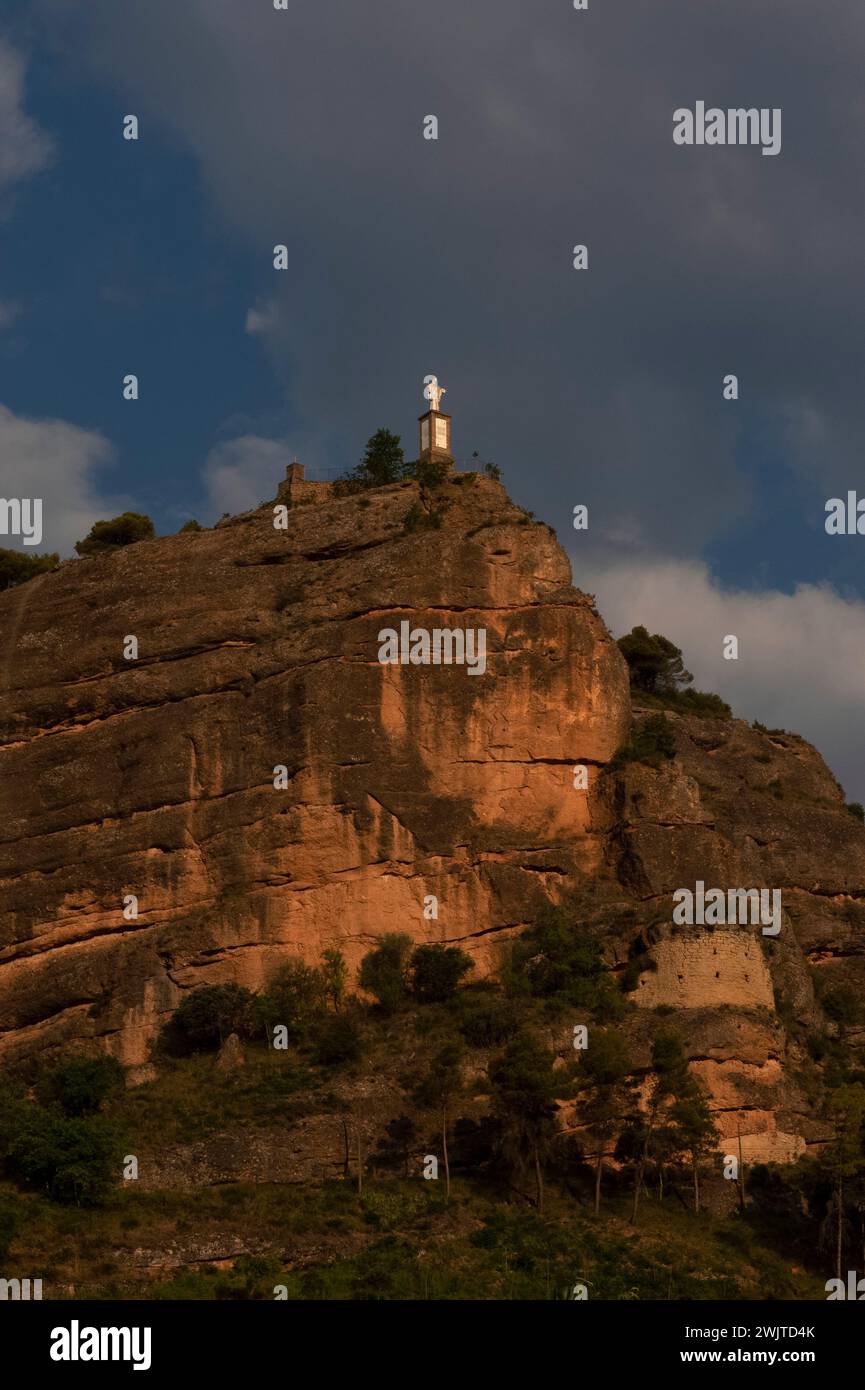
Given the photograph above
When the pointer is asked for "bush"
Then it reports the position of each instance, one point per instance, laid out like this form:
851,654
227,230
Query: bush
650,743
17,567
493,471
73,1161
338,1041
435,972
193,525
110,535
80,1084
206,1017
417,518
701,702
486,1021
430,472
842,1005
383,971
856,809
295,998
555,959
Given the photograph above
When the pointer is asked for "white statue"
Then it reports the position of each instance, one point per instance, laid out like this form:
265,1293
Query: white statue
433,391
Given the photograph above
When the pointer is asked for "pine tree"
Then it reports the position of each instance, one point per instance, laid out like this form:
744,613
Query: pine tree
603,1081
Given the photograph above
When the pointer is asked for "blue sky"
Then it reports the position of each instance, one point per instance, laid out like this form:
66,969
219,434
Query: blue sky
454,256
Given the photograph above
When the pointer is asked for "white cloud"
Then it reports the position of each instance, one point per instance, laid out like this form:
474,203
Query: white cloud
55,461
245,471
801,659
24,148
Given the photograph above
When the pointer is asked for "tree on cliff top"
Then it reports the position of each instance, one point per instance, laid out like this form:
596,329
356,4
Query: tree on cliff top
654,662
383,462
110,535
17,567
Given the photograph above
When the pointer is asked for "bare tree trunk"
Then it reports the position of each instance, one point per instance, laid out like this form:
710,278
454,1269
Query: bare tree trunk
696,1184
598,1170
359,1162
345,1151
840,1226
741,1172
539,1182
445,1152
638,1179
661,1181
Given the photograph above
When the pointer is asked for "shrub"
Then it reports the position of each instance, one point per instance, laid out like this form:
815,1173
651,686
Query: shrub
650,743
338,1040
295,998
556,959
493,471
417,518
486,1021
17,567
435,972
110,535
206,1017
856,809
193,525
383,971
80,1084
701,702
842,1005
71,1160
430,472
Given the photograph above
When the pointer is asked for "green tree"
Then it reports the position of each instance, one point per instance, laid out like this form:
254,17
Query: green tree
694,1130
436,971
603,1080
383,462
556,959
335,977
647,1136
205,1018
843,1159
383,459
73,1161
383,971
80,1085
111,535
654,662
437,1089
524,1088
16,567
295,999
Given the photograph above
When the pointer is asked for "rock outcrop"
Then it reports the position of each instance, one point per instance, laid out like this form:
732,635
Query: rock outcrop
258,650
257,784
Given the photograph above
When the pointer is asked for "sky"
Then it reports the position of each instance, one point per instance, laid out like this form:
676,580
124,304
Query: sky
406,256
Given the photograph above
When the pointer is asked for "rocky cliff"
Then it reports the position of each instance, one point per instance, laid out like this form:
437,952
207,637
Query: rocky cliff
265,786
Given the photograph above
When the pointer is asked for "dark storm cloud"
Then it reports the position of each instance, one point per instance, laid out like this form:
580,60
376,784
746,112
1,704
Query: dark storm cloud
453,256
409,256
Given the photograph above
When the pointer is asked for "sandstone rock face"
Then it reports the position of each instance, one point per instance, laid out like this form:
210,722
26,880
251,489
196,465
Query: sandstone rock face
265,787
257,649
